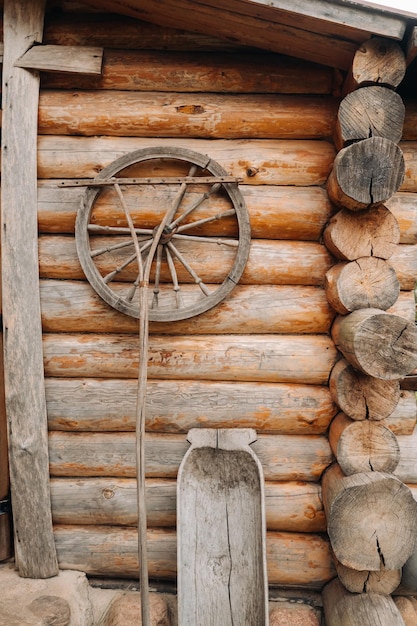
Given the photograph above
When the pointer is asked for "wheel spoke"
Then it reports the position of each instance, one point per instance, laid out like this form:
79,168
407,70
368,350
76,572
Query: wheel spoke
159,252
206,220
111,275
131,228
174,277
221,242
118,230
115,246
195,206
189,269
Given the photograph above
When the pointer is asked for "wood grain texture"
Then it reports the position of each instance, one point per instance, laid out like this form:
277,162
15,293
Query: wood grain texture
293,559
366,173
402,205
383,581
375,497
358,337
257,162
221,555
71,59
372,111
289,506
361,396
379,60
208,115
179,71
176,406
283,457
367,282
23,366
273,358
342,608
72,306
363,445
375,233
275,212
269,262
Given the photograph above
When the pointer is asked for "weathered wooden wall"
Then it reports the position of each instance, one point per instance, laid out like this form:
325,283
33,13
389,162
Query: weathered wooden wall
264,357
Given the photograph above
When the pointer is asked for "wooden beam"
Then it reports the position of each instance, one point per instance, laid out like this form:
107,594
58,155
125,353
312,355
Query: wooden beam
70,59
323,32
24,383
411,50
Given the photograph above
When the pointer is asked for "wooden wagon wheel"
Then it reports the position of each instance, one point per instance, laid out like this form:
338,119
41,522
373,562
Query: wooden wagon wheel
163,237
194,231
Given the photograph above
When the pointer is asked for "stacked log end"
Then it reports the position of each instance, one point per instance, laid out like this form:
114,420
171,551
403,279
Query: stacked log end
371,514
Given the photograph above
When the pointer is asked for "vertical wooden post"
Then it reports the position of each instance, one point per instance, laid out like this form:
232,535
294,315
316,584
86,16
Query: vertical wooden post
23,360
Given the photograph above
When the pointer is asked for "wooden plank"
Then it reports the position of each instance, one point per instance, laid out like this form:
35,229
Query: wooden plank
293,559
251,358
216,72
289,506
25,397
176,406
283,457
220,473
258,162
72,59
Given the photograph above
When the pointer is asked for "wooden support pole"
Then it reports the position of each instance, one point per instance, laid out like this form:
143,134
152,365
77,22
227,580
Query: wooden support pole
24,383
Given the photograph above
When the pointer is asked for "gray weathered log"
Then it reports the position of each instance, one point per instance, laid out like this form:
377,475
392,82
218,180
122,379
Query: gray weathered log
372,111
176,406
379,61
342,608
363,446
366,173
377,343
220,473
111,454
362,519
361,396
25,397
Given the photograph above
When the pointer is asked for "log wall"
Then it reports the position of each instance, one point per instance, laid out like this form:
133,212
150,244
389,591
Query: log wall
260,359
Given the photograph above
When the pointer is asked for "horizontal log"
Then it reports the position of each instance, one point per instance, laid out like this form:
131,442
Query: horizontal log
402,420
269,262
407,467
403,207
273,358
217,72
275,212
72,306
404,262
177,406
293,559
115,113
257,162
409,150
358,609
362,519
358,337
292,506
283,457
